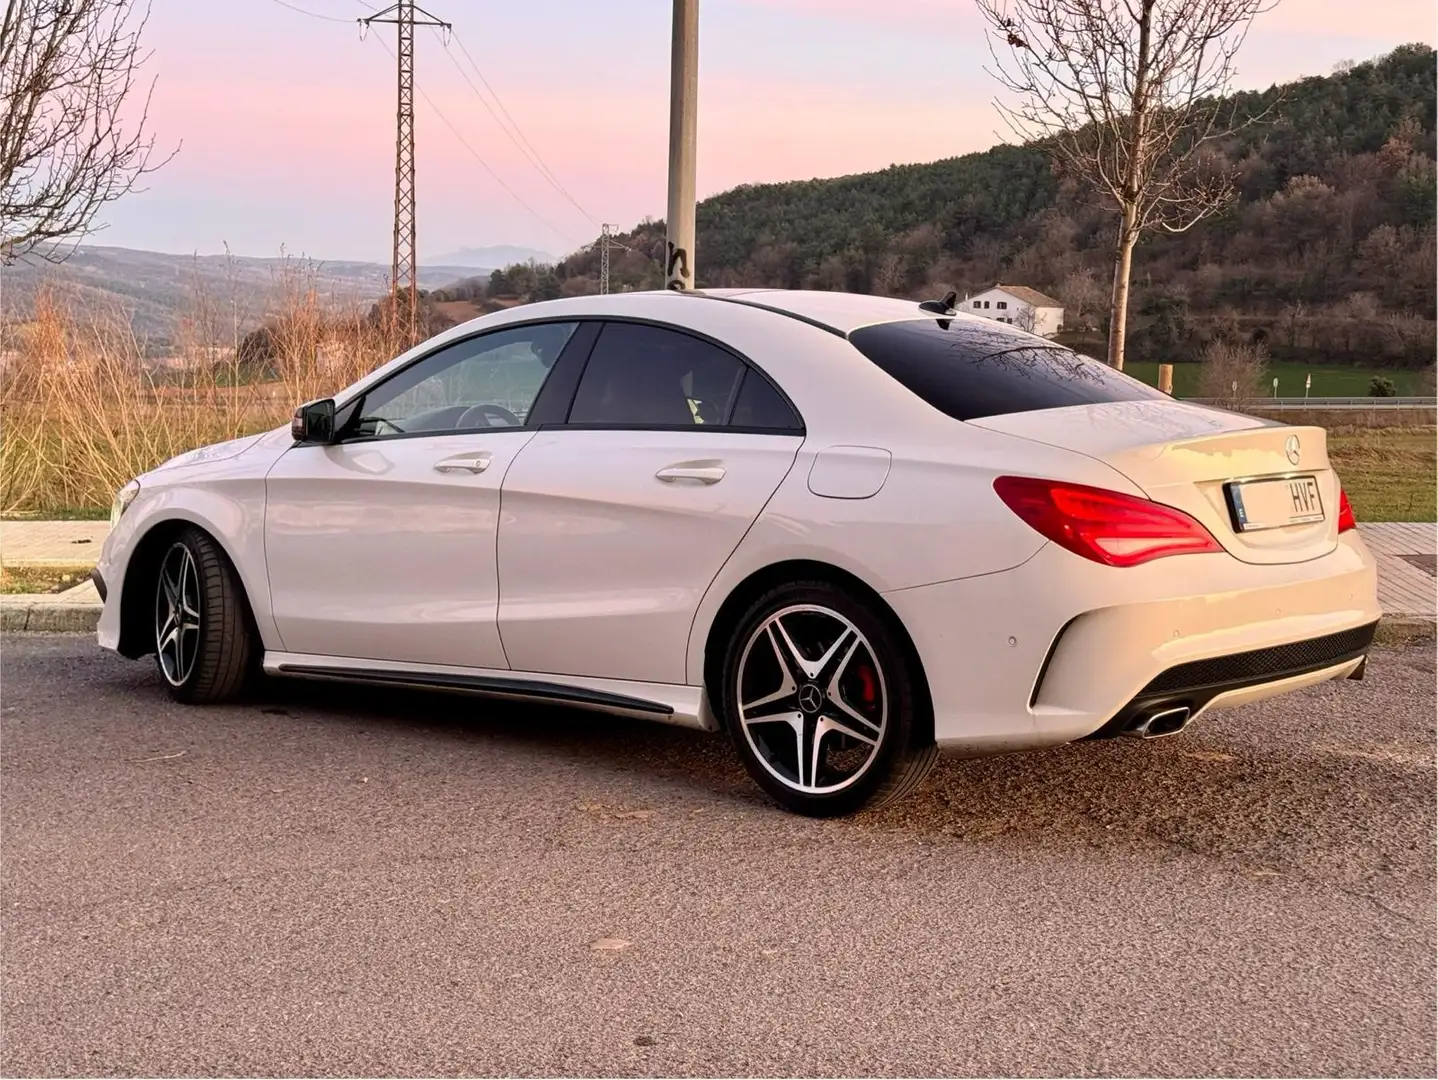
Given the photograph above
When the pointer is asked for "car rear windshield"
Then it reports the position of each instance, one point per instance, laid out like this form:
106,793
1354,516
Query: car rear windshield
971,368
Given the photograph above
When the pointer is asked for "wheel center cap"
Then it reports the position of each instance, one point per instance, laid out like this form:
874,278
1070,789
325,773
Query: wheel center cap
811,699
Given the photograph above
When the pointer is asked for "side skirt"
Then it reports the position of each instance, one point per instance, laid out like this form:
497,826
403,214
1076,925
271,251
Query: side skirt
685,706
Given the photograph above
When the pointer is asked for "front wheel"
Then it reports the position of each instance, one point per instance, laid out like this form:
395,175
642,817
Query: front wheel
203,641
822,703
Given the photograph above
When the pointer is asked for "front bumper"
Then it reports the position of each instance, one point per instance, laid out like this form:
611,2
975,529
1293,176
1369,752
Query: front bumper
1057,648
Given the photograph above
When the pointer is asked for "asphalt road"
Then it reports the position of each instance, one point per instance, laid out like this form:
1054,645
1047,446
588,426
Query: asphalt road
339,882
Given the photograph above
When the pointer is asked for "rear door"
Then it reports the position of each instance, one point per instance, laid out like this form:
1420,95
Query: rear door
615,522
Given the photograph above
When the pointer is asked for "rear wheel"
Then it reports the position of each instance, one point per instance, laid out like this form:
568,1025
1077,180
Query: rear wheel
203,642
822,703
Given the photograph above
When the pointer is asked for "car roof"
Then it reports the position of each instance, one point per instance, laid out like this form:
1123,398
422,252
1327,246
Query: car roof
839,312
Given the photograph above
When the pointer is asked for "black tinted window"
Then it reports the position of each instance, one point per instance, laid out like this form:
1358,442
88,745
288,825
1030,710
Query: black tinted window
970,371
648,376
760,406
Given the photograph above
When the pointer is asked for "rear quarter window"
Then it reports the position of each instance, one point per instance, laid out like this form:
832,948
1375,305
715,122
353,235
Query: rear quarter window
971,371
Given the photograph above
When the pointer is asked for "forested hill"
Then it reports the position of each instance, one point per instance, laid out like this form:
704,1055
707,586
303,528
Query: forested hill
1335,206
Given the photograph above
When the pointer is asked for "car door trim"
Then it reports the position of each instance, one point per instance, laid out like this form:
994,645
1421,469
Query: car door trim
480,684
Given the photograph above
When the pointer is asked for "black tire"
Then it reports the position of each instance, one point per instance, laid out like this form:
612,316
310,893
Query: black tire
210,658
902,751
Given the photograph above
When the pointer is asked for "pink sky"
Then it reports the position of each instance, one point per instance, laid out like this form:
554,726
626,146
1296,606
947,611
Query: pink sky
287,130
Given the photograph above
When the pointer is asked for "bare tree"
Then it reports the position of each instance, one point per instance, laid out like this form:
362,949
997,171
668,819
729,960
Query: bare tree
1128,95
69,69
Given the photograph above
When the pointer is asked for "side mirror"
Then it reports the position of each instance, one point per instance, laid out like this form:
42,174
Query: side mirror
314,422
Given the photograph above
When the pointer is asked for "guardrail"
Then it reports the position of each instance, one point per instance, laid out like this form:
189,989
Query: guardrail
1326,402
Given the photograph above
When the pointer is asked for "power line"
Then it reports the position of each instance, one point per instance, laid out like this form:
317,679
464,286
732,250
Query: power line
476,155
516,136
311,14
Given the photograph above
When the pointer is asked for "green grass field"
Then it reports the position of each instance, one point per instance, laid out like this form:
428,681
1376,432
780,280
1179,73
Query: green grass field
1327,381
1388,473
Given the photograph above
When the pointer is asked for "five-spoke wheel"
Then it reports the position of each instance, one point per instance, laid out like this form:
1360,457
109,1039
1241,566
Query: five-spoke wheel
821,703
203,631
811,698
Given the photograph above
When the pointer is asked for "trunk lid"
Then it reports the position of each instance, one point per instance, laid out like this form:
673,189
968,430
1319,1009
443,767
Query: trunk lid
1222,468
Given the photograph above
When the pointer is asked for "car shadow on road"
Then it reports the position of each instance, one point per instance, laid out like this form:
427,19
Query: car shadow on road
1291,799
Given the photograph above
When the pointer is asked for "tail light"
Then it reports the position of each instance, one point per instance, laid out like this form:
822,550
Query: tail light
1105,526
1346,520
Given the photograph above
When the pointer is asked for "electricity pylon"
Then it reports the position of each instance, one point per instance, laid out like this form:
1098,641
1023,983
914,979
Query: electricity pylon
402,14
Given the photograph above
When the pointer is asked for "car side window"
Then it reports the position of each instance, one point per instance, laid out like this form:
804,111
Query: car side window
761,406
478,384
650,376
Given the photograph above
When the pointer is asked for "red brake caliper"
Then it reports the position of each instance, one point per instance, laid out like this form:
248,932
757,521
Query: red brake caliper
870,689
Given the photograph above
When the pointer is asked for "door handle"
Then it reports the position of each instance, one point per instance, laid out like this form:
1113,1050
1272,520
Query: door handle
705,474
470,463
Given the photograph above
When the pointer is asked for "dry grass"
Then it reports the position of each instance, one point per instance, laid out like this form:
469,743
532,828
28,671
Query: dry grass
81,411
42,579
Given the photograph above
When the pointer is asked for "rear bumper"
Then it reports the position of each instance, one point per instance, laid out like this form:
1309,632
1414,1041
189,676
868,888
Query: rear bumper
1057,648
1239,678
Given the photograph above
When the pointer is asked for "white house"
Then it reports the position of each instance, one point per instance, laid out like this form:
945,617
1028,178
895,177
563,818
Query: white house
1025,308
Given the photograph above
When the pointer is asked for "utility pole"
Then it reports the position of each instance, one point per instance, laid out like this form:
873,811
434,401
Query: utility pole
604,258
683,102
402,14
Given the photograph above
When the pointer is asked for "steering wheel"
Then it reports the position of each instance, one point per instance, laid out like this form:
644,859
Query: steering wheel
471,416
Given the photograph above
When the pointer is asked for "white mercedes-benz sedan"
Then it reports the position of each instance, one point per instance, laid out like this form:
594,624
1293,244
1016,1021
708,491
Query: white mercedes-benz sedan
850,531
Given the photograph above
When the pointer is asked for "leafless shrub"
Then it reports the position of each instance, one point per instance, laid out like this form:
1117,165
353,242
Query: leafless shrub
1233,373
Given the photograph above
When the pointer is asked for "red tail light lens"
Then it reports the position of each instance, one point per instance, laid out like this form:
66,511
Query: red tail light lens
1105,526
1346,520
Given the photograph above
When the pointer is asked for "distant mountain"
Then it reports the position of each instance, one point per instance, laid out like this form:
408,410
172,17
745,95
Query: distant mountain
490,258
159,292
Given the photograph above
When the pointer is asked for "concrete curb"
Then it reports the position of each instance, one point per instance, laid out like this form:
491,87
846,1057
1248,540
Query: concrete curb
1402,629
21,614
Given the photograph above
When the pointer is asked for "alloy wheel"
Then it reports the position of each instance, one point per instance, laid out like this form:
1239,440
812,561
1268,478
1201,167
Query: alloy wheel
177,614
811,698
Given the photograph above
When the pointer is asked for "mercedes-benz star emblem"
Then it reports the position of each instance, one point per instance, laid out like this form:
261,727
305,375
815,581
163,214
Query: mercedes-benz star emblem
810,698
1291,449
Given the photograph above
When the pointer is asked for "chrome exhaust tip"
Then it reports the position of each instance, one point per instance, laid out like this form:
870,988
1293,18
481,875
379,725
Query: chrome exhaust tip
1156,725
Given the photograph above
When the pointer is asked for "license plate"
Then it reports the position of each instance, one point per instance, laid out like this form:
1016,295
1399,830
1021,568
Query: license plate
1272,504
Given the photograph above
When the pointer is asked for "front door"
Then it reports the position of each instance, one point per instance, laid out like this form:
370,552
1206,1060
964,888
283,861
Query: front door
616,523
382,546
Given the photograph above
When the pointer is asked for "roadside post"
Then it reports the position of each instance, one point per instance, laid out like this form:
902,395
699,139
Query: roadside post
683,102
